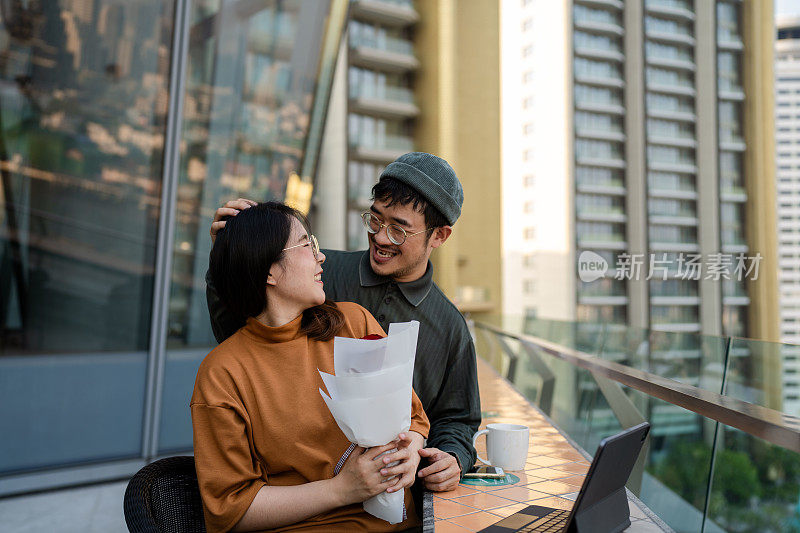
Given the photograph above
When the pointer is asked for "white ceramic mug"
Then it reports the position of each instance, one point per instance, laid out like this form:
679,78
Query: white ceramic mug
506,445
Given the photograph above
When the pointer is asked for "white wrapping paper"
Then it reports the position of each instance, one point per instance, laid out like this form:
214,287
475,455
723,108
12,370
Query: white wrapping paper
370,397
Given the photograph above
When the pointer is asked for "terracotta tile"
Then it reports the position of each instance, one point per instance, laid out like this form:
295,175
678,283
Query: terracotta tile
550,473
460,490
476,521
552,487
570,456
484,501
511,509
575,468
555,502
448,509
576,481
520,494
445,526
547,461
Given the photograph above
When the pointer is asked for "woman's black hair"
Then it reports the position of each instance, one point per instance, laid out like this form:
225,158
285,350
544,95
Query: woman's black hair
243,253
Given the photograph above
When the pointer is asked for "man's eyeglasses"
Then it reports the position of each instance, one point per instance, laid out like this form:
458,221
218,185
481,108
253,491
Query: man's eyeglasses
395,233
312,241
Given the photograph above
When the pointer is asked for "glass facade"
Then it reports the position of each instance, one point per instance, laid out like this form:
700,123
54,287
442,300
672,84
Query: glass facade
104,246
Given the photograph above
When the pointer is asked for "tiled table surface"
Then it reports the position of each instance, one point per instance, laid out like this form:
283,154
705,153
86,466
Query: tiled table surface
554,468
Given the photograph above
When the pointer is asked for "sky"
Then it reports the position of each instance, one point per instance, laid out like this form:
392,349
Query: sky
787,7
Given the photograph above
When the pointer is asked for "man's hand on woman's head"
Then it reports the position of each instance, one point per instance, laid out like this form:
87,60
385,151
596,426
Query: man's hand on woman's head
408,454
231,208
360,478
442,472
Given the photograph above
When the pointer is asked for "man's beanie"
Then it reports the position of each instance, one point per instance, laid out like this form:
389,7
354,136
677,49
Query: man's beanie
433,178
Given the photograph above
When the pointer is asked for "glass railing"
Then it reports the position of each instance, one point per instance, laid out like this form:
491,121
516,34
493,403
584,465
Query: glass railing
702,469
387,44
383,142
389,93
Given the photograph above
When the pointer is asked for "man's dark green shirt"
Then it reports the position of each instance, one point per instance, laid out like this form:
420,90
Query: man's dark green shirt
445,372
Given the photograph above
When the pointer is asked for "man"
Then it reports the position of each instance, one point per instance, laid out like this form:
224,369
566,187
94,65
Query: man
416,202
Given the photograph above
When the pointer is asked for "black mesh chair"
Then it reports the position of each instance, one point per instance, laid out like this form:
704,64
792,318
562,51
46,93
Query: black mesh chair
164,497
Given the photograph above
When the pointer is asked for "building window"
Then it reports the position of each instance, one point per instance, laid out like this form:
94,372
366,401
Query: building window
528,180
527,155
529,233
528,207
527,24
528,286
528,128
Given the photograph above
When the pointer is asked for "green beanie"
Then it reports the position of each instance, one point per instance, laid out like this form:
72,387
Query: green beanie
433,178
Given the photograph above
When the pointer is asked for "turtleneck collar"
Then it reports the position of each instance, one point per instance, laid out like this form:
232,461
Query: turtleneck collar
284,333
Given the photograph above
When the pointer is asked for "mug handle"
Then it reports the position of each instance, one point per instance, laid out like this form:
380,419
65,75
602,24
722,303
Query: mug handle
475,440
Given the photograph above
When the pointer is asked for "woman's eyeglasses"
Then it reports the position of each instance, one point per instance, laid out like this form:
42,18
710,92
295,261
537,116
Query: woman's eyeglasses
312,241
395,233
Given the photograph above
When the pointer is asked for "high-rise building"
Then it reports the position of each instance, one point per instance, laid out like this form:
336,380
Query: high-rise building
419,76
787,136
637,130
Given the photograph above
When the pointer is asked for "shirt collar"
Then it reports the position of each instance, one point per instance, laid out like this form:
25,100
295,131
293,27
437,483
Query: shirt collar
414,291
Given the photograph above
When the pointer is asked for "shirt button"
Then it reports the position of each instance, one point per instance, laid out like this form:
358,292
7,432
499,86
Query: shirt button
381,318
388,300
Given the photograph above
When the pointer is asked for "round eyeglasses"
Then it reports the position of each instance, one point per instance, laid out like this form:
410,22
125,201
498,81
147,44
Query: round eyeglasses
395,233
312,242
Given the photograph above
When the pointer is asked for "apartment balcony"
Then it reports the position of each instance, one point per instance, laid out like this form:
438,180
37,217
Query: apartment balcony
598,188
670,114
675,300
389,54
600,107
674,220
601,215
676,194
386,12
592,26
602,300
613,4
671,63
665,10
679,141
386,102
601,80
603,135
380,150
598,53
671,38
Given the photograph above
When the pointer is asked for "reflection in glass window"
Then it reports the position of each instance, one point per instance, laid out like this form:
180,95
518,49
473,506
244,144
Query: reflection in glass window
670,128
249,93
656,50
588,94
84,88
729,71
728,22
676,78
590,68
593,41
667,26
672,234
587,14
671,155
608,177
673,314
672,287
671,207
657,102
83,116
593,149
585,121
670,181
730,123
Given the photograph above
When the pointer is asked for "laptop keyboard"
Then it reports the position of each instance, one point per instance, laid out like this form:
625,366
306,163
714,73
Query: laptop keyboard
550,523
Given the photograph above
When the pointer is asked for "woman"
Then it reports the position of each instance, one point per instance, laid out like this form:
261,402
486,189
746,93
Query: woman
268,453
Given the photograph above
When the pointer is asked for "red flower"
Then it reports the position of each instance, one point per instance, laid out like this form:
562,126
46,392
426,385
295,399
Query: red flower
371,337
